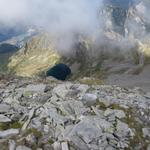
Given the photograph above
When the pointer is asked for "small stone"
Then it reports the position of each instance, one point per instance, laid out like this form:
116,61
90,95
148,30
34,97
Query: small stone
73,108
31,113
23,148
142,113
57,146
46,128
148,148
31,138
108,112
89,99
54,116
123,130
62,90
48,147
97,111
122,145
9,132
64,146
4,108
4,119
12,101
36,123
109,148
113,142
147,95
82,89
27,94
79,144
39,88
54,99
12,145
118,113
146,132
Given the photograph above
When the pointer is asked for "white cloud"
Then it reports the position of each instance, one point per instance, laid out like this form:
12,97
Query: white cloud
51,14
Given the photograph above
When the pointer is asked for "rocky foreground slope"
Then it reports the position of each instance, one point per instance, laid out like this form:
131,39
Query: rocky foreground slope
54,115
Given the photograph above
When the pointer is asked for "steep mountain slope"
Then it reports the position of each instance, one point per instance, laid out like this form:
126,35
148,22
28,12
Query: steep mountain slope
42,52
6,51
6,48
38,55
11,40
91,56
7,32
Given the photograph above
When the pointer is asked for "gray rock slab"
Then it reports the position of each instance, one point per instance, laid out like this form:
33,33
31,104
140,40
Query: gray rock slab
118,113
12,145
148,147
78,143
89,129
39,88
89,99
57,146
82,88
4,119
73,108
109,148
64,146
147,95
4,108
54,116
123,129
11,101
23,148
146,132
9,132
62,90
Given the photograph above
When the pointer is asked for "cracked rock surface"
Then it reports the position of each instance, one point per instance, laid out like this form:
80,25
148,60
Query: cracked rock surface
54,115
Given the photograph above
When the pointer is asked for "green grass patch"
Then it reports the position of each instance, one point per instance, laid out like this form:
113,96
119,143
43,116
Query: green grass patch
35,132
14,125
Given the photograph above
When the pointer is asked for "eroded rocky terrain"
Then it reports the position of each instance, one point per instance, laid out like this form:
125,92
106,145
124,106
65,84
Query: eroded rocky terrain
47,114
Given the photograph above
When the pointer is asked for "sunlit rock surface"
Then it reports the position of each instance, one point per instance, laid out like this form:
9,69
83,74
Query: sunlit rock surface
50,114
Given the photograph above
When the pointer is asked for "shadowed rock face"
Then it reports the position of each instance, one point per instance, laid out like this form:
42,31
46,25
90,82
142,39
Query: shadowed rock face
39,55
6,48
60,71
7,33
119,13
6,51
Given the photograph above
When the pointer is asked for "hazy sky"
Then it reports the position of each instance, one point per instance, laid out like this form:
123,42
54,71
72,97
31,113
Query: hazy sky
65,17
52,14
55,15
